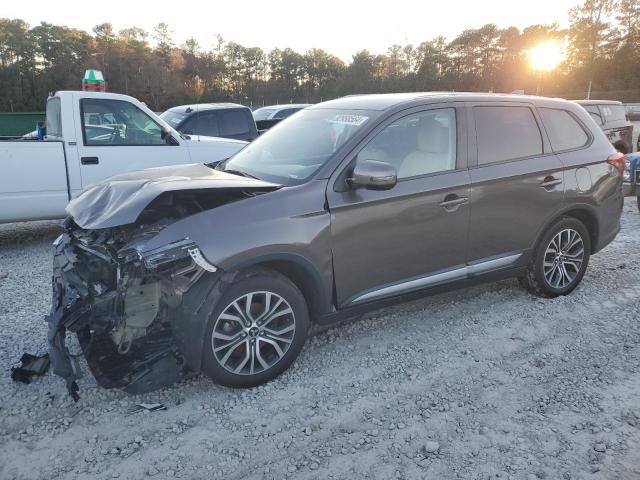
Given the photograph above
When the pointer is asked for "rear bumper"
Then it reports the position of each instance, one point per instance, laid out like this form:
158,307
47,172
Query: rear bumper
608,215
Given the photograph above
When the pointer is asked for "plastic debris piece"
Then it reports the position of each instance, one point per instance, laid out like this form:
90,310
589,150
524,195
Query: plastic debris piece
149,407
31,365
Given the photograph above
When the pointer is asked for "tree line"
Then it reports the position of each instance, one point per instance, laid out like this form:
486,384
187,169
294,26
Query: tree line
602,45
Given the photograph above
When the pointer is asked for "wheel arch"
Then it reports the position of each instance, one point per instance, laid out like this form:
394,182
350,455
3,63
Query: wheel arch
301,272
584,213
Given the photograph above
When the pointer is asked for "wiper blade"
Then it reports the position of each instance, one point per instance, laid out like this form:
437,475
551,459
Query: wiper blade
242,174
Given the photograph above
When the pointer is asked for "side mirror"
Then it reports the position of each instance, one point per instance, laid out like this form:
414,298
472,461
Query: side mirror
374,175
168,138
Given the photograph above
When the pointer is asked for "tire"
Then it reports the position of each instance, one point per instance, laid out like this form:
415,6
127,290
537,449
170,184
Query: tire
245,350
545,276
638,199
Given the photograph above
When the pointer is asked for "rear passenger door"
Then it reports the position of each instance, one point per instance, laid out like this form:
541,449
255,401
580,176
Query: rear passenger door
516,181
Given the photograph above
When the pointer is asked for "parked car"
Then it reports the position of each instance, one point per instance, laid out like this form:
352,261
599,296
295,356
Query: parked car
91,136
349,205
226,120
612,118
267,117
631,182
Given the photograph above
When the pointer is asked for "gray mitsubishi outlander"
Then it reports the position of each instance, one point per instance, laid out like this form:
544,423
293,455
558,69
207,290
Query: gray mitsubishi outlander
348,206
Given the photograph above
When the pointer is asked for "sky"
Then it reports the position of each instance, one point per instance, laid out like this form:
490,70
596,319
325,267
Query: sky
341,27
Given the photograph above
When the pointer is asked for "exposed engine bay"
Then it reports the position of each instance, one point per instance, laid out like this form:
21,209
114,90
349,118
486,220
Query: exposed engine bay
131,308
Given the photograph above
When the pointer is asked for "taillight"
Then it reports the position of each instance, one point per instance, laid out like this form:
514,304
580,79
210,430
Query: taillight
617,160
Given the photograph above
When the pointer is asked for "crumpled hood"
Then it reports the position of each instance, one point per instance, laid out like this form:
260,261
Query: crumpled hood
119,200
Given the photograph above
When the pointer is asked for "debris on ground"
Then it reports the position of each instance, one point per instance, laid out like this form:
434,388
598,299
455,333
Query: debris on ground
149,407
31,365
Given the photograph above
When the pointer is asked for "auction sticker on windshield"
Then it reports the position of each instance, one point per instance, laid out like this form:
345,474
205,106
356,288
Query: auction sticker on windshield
345,119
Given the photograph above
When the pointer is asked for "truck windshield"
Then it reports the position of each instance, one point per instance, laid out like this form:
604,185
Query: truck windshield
262,113
297,147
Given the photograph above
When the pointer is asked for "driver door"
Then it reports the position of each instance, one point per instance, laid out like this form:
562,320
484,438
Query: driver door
116,137
414,235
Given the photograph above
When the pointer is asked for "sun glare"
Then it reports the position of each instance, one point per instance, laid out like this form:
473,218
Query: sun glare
546,56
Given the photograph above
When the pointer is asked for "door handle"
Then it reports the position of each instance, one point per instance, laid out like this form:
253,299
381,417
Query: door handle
452,202
89,160
550,182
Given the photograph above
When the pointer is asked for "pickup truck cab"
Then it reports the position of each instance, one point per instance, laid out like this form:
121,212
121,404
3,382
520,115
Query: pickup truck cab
227,120
91,136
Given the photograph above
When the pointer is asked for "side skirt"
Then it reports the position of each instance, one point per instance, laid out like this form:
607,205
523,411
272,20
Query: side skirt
356,310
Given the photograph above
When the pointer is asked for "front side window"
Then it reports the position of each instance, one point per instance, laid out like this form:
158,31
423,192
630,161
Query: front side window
564,131
204,123
506,133
234,122
116,122
293,150
418,144
54,117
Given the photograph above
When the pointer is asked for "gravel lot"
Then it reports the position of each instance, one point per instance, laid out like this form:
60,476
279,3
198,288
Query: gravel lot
483,383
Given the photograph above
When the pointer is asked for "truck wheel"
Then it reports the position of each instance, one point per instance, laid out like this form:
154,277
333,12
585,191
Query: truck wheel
256,330
559,260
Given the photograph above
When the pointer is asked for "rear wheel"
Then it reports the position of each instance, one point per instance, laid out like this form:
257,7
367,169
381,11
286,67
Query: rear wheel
559,260
256,330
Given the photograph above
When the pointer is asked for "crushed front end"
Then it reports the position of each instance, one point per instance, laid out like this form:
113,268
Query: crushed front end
125,305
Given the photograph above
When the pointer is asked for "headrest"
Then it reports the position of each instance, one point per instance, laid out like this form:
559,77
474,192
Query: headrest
432,136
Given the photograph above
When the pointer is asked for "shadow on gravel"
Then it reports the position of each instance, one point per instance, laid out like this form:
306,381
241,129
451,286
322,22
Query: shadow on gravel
22,233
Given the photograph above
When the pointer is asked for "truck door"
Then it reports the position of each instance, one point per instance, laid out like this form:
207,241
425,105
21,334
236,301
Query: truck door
117,136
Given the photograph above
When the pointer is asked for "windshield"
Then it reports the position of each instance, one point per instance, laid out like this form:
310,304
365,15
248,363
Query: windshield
297,147
173,118
262,114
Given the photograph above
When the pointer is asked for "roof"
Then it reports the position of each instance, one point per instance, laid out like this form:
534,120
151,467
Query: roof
201,107
286,105
597,102
385,101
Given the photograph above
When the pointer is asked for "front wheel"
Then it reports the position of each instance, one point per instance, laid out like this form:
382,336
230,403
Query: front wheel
256,330
559,260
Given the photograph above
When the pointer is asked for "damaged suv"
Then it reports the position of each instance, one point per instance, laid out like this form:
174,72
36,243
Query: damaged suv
347,206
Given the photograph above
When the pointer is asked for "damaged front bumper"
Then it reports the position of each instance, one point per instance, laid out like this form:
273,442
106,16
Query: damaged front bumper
126,306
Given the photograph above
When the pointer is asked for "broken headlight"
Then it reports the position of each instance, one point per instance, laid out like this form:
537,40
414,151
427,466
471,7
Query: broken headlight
169,255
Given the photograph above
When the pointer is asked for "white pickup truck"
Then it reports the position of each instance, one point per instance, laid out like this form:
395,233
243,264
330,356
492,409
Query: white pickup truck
91,136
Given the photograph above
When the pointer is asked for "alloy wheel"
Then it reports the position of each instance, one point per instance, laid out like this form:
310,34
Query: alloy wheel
563,258
253,333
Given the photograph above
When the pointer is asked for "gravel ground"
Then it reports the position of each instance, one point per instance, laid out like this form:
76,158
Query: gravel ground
488,382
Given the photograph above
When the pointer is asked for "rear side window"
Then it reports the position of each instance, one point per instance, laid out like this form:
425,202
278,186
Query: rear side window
564,130
234,123
506,133
54,118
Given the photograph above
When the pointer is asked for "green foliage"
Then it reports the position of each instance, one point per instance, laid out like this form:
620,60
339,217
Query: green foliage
602,46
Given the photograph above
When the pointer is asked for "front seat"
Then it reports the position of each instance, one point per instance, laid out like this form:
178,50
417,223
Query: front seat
432,154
